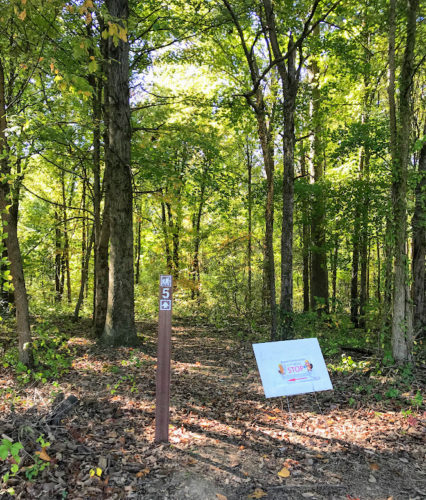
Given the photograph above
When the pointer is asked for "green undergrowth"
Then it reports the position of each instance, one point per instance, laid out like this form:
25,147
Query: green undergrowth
52,354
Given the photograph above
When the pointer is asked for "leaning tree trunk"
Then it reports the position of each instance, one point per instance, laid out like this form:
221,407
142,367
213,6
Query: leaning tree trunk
9,217
402,334
120,321
419,248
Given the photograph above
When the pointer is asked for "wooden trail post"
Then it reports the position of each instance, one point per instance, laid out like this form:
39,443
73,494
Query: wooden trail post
163,360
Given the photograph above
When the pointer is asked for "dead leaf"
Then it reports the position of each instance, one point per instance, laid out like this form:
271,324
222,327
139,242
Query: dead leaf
374,466
221,497
284,472
143,473
258,493
43,455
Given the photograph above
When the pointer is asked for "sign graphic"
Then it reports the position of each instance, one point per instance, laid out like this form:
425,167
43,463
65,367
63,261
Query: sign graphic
291,367
165,280
165,305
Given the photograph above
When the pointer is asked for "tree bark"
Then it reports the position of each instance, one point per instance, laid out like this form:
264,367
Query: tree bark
84,275
319,253
138,251
402,333
166,238
289,77
9,217
419,248
102,272
249,158
355,267
334,272
120,322
305,241
365,178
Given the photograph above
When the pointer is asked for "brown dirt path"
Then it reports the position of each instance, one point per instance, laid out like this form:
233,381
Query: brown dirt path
226,439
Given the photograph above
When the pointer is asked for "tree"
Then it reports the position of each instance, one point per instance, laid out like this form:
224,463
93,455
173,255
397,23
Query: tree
419,246
400,125
120,321
319,277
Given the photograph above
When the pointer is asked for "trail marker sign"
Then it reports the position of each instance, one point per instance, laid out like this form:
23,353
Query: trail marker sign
163,360
291,367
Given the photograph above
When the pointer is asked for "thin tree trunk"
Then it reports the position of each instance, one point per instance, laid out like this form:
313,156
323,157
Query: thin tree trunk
319,253
355,266
66,253
365,178
269,261
166,238
58,259
334,272
379,271
138,251
305,241
419,248
84,276
9,218
250,236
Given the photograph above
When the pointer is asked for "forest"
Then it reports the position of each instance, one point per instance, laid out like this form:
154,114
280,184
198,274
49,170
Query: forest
270,155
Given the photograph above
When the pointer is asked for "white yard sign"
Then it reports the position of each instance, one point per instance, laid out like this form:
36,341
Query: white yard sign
291,367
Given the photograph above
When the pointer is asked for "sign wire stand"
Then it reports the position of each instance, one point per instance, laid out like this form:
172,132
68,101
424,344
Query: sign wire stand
289,411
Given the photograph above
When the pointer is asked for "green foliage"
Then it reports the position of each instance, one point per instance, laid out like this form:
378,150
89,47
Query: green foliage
9,448
52,355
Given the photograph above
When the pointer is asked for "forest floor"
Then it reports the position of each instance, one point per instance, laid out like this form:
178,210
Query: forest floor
226,440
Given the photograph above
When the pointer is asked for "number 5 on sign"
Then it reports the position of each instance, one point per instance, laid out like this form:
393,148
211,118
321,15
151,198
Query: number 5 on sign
163,360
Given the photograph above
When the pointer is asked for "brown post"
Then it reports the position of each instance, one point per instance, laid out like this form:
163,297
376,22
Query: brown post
163,360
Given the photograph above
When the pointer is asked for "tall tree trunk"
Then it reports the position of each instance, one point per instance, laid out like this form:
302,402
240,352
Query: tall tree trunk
290,87
402,333
101,270
249,158
365,177
319,253
9,217
419,248
267,145
120,320
289,77
305,241
96,169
